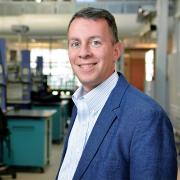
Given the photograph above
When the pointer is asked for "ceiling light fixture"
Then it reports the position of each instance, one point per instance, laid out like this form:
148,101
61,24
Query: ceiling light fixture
38,1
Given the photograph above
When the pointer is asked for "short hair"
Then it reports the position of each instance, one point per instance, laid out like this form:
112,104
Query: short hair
97,13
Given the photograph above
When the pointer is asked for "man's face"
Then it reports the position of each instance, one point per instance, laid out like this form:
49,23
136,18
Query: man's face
92,52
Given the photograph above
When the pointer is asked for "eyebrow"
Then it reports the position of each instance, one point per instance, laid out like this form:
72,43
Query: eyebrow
73,39
77,39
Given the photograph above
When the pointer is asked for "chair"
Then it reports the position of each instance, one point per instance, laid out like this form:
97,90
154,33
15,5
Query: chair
4,138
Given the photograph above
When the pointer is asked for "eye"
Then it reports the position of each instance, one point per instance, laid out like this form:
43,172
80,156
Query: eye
96,43
75,44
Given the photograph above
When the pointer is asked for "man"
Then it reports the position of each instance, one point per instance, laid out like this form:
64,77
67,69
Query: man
116,132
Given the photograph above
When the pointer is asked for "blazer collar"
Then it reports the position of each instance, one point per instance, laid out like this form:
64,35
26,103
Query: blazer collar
102,126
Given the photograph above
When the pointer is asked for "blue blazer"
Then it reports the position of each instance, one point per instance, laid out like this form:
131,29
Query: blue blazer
131,140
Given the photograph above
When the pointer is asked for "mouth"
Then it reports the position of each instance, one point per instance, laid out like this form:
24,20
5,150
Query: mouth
87,67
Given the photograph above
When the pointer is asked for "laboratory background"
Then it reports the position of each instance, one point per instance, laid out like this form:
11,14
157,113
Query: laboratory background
37,82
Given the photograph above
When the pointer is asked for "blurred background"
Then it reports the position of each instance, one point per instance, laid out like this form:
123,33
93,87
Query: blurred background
36,80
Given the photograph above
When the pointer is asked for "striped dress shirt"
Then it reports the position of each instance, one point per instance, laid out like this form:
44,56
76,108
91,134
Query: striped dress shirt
89,106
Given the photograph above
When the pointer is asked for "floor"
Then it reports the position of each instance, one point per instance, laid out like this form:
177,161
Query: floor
50,170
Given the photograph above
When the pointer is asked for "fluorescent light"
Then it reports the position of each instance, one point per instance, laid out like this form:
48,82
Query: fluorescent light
38,1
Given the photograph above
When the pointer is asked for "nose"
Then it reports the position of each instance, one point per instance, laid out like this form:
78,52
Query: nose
84,51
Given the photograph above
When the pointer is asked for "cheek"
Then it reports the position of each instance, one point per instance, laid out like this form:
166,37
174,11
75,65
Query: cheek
71,57
106,56
100,54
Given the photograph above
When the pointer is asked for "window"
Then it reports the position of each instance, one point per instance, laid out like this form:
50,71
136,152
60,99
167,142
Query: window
56,66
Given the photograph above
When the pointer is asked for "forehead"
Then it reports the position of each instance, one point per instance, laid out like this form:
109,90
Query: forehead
85,27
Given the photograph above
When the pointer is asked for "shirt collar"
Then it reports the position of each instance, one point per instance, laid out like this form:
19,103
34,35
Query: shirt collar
96,98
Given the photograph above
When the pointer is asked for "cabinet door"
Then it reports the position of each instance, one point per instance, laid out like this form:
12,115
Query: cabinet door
27,143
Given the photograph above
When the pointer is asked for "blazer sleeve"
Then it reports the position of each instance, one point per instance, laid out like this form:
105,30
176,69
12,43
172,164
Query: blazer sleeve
153,154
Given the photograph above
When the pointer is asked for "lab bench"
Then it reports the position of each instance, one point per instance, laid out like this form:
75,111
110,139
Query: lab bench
59,118
30,138
19,104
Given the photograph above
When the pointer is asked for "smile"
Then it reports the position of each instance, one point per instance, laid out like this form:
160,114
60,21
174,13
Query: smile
87,67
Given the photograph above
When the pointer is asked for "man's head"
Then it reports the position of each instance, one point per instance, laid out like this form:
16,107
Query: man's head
94,14
93,46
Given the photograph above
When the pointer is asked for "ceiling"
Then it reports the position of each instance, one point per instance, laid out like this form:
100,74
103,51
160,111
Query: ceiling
49,19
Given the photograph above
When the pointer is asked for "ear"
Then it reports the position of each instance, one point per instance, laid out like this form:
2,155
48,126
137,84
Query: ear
118,50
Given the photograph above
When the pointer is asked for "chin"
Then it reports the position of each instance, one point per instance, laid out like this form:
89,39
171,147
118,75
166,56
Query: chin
90,84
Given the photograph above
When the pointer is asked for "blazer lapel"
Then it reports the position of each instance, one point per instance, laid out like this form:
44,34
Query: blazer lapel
101,127
93,144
